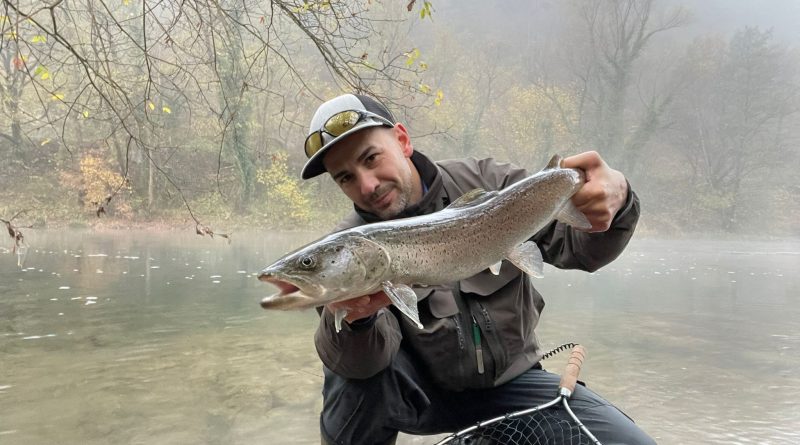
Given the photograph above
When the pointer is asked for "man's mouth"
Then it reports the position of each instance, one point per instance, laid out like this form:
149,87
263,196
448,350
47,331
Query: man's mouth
383,200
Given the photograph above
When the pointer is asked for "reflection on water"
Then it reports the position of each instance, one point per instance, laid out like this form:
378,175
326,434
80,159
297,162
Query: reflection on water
145,338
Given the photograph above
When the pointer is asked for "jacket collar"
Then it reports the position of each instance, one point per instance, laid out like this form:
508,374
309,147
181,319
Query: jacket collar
435,199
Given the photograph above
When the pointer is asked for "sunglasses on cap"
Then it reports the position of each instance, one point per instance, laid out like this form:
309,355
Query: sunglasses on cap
337,125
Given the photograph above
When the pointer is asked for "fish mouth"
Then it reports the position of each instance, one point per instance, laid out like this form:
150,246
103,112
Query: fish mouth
290,295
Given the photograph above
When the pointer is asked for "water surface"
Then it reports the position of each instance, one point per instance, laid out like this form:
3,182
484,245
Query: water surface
138,337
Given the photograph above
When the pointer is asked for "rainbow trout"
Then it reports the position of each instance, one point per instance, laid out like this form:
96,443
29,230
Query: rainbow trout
477,231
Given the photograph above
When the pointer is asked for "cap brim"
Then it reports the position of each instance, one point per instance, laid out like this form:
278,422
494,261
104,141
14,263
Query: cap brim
315,167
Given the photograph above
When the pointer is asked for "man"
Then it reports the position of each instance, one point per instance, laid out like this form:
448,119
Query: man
382,373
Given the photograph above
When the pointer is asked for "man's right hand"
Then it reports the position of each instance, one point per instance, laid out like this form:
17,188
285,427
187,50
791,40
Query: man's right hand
361,307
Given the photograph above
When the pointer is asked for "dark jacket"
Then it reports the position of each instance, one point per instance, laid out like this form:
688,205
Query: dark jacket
502,310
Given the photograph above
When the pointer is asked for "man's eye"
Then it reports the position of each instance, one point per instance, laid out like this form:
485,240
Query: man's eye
371,158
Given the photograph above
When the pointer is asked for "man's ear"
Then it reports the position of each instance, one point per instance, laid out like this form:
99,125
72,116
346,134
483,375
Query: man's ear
404,139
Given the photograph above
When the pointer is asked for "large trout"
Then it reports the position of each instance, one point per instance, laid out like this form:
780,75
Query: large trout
477,231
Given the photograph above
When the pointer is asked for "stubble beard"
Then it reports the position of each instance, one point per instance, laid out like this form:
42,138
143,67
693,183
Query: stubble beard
402,201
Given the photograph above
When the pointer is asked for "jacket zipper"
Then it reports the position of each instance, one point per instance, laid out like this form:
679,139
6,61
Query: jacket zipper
476,337
460,333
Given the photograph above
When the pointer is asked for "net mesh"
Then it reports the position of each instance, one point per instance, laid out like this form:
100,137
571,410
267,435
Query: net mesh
547,427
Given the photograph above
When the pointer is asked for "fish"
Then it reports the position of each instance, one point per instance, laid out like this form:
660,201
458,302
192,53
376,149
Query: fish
475,232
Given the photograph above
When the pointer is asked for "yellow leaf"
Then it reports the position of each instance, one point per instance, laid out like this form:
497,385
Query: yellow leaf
424,88
412,57
57,96
85,114
425,11
45,75
439,98
166,109
423,66
39,39
151,106
126,2
44,142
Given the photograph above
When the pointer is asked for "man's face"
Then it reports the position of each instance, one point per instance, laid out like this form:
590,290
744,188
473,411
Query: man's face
373,168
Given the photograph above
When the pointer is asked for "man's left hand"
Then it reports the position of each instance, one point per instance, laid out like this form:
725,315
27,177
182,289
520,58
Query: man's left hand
604,192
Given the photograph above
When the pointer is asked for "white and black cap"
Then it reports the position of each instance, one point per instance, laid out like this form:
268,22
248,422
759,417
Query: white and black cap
377,115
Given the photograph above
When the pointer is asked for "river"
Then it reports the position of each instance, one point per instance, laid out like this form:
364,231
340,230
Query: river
157,338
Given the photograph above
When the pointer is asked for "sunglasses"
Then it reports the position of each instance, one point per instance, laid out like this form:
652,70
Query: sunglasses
337,125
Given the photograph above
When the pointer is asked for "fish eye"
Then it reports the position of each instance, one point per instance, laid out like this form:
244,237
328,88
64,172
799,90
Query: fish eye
307,262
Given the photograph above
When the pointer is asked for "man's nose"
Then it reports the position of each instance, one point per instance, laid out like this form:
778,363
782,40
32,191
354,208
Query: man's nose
368,184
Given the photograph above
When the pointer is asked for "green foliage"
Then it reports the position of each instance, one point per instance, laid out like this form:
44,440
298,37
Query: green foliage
535,123
284,200
212,206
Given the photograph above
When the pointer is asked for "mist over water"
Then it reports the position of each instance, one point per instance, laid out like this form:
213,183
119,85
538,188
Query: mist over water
143,338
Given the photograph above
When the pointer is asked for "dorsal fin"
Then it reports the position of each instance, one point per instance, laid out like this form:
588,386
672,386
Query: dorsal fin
555,162
471,198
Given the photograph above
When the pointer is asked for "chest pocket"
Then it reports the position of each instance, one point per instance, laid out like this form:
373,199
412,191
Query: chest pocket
445,344
441,301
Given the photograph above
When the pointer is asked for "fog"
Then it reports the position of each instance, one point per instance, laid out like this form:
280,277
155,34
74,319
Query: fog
181,119
114,117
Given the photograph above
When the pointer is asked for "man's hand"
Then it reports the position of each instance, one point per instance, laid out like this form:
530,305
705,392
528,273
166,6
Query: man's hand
604,192
361,307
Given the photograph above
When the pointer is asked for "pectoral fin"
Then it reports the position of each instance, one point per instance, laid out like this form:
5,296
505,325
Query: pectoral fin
404,298
338,316
569,214
528,258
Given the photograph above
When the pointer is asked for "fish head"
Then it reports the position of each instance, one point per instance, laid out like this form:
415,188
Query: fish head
338,267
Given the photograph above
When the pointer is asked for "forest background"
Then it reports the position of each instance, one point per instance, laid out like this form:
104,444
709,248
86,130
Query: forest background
131,113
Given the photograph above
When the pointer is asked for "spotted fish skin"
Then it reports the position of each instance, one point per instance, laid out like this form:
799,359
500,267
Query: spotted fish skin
476,232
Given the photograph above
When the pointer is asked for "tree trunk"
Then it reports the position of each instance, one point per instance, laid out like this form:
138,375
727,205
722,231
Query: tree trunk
150,186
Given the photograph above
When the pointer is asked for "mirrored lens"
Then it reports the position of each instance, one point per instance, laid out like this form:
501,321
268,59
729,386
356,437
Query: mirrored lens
313,143
341,122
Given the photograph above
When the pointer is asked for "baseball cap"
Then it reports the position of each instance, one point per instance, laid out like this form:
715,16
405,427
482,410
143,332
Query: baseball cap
370,112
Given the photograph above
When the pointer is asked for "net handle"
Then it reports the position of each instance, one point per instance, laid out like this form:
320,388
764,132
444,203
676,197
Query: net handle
570,376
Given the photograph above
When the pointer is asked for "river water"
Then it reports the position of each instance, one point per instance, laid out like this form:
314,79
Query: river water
143,338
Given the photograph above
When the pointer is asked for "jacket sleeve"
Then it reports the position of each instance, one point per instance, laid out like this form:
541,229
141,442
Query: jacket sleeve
567,248
561,245
361,349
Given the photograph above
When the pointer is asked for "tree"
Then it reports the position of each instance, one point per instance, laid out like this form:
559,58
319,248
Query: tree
734,122
131,67
601,50
23,85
